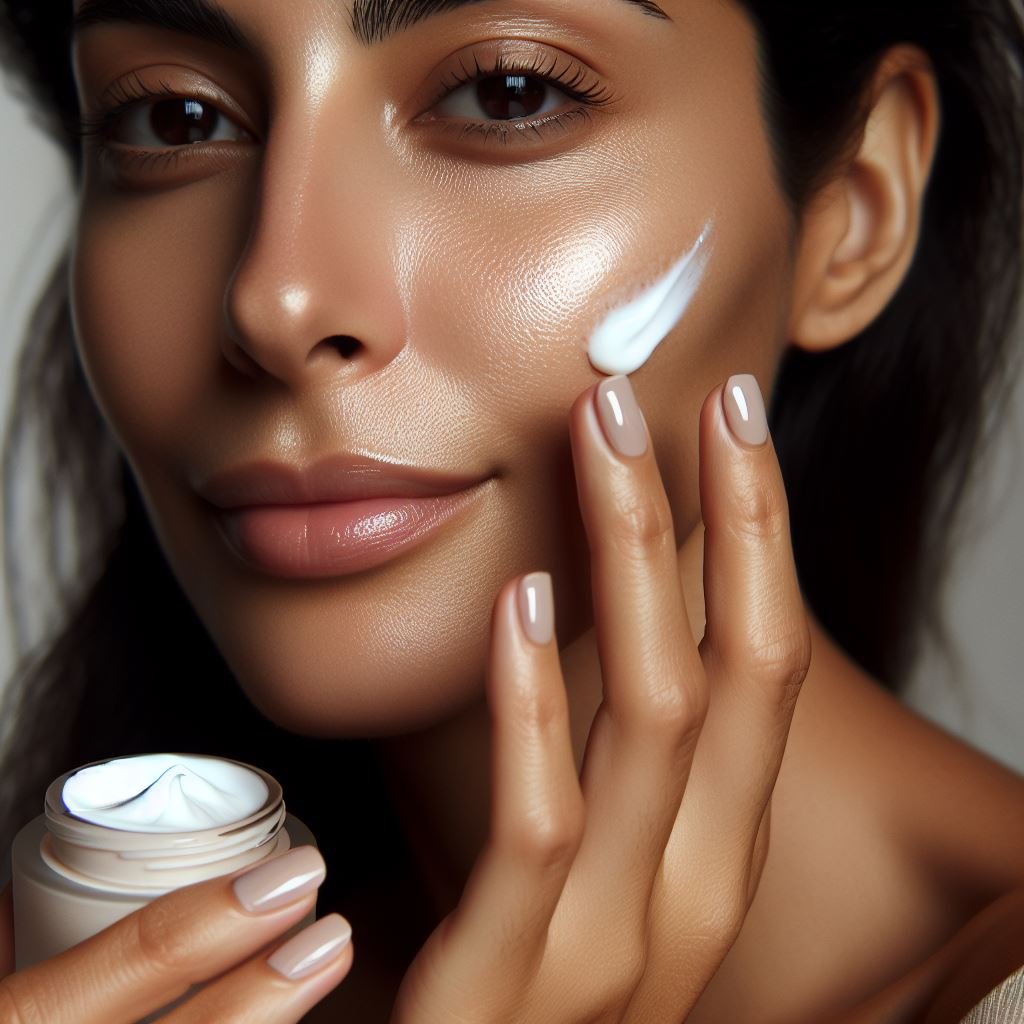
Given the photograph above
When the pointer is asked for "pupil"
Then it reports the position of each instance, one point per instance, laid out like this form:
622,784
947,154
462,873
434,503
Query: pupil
170,127
511,96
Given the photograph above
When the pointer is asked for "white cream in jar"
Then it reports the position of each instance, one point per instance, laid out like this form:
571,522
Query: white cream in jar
116,834
164,793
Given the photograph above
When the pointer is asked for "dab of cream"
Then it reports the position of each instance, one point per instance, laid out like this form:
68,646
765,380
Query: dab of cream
164,793
628,336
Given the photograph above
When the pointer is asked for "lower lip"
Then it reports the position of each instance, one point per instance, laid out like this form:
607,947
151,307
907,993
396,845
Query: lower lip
336,538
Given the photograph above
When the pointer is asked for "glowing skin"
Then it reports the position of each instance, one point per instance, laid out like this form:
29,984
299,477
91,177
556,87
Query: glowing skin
467,279
360,280
629,334
164,793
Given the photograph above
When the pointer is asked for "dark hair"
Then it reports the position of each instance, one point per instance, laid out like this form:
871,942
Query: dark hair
879,438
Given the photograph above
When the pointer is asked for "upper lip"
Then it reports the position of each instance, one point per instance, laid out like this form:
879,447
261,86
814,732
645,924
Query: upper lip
332,479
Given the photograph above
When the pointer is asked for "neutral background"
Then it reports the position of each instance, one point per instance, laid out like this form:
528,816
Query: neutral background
985,705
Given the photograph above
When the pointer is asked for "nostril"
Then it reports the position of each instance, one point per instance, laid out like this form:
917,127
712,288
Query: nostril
346,344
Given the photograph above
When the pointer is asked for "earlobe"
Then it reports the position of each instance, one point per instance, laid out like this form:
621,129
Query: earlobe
860,233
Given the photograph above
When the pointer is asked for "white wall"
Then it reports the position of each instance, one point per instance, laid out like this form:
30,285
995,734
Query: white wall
987,599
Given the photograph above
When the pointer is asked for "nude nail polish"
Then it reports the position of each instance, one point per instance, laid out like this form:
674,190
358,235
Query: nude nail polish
744,409
281,880
116,834
536,607
313,948
620,415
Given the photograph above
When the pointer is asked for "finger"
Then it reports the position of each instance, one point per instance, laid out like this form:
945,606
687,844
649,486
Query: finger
755,650
757,645
154,955
279,987
642,742
495,938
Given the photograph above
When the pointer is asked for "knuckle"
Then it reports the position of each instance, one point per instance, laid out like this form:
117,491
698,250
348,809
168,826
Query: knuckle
761,510
784,661
542,709
641,522
673,712
167,942
548,840
681,712
720,923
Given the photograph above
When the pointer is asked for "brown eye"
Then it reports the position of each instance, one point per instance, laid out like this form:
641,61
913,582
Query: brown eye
508,97
504,97
182,122
178,121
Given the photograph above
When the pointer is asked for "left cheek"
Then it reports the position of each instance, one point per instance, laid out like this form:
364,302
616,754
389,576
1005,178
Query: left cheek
145,349
507,267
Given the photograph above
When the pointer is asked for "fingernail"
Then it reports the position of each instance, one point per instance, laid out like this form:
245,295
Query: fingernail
537,607
312,948
621,418
744,409
281,880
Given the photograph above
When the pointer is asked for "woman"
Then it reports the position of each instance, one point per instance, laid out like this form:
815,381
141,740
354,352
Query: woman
407,232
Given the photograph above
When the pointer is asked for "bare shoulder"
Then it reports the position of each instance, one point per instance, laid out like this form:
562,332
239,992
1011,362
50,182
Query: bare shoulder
983,955
955,813
888,835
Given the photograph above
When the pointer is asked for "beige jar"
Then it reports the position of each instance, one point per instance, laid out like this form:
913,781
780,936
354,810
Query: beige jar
71,877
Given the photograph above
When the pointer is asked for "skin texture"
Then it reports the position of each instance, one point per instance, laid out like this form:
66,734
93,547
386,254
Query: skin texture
470,275
491,334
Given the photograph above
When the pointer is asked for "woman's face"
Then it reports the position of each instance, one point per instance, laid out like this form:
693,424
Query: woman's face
364,252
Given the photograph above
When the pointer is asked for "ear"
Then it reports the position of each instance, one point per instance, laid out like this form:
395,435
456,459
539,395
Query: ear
860,232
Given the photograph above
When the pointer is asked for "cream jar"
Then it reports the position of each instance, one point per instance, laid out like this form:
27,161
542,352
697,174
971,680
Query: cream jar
116,834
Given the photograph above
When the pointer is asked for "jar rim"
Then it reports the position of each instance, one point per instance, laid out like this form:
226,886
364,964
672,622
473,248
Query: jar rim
62,821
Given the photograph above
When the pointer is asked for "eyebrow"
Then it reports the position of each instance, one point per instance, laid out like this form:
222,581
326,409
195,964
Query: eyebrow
371,21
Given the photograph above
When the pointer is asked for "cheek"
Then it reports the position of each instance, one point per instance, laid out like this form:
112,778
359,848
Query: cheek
661,256
147,291
501,270
502,276
505,273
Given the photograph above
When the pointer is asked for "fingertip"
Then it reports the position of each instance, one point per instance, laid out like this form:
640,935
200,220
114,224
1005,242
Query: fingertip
536,607
744,410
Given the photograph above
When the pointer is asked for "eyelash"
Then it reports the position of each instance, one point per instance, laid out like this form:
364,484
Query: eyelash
122,97
568,79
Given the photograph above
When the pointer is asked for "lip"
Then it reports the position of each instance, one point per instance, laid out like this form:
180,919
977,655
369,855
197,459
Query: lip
332,479
335,517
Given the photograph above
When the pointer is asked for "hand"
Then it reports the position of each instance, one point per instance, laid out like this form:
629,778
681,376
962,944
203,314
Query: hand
151,957
610,897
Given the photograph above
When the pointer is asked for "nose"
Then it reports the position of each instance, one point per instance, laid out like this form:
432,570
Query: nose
314,297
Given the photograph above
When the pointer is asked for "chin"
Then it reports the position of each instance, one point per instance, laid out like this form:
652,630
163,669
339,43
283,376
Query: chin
388,697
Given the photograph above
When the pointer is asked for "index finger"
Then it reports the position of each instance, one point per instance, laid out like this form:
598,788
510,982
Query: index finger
644,735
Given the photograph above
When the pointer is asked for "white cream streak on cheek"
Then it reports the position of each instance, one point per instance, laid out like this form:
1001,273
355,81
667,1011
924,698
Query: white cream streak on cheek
628,336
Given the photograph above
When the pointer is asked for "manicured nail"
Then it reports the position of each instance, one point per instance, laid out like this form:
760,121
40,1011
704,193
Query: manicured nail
744,409
620,416
312,948
537,607
281,880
